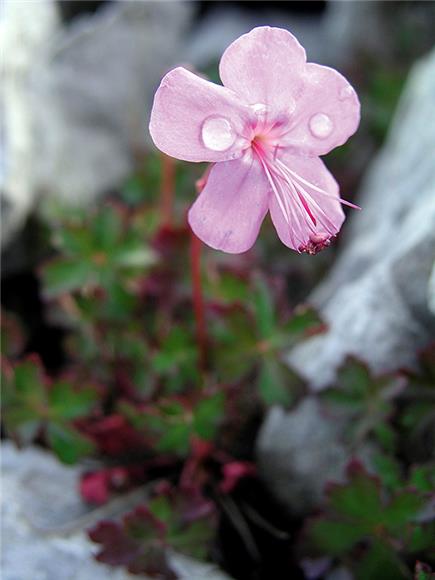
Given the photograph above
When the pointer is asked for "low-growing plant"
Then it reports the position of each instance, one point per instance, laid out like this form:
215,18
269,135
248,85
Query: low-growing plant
165,389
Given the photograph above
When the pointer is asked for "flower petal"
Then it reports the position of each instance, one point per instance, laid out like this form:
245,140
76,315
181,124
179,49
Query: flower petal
326,114
265,67
228,213
327,211
195,120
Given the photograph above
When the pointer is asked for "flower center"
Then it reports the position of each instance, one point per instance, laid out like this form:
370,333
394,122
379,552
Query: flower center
309,226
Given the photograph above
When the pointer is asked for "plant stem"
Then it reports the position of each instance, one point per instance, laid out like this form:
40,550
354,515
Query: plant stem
198,301
167,189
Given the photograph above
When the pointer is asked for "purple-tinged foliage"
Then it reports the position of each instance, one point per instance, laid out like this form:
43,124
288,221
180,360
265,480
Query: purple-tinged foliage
133,398
380,530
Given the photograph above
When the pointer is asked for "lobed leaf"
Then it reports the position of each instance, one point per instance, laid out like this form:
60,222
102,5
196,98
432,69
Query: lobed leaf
65,275
67,443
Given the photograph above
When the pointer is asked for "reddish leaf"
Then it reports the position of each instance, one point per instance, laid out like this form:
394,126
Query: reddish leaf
117,548
137,543
233,472
94,487
113,435
423,571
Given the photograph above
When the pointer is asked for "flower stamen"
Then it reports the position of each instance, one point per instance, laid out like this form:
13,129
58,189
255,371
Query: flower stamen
318,189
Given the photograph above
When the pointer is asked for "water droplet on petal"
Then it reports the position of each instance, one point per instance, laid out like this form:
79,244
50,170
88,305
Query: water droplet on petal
217,134
321,125
345,93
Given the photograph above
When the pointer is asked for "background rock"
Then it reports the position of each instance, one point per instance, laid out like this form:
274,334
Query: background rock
375,299
24,42
93,95
43,524
75,99
300,451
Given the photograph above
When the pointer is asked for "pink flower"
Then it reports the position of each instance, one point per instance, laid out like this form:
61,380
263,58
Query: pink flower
264,130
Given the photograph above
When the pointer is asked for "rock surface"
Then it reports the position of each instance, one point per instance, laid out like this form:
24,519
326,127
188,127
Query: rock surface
43,524
24,42
298,453
94,94
375,299
75,99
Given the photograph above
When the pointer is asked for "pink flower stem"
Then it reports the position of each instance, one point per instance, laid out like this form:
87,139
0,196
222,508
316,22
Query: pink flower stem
198,301
167,189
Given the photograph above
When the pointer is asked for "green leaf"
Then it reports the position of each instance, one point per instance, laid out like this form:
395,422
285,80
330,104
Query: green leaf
415,414
176,438
69,403
176,360
335,537
264,309
106,228
274,384
354,378
386,436
303,319
175,350
388,470
207,415
73,240
119,303
24,402
139,420
229,288
19,416
67,443
422,538
380,563
423,478
22,422
134,190
171,408
193,539
161,508
343,398
29,382
402,509
359,499
64,275
235,349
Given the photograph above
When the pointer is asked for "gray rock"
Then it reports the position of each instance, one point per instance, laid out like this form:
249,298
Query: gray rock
75,101
43,524
24,42
94,94
299,452
26,553
375,299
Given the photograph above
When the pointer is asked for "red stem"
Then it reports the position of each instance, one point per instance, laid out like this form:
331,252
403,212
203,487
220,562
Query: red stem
167,189
198,301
